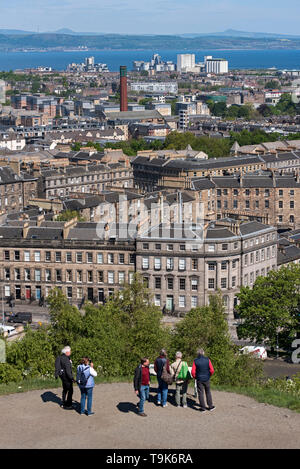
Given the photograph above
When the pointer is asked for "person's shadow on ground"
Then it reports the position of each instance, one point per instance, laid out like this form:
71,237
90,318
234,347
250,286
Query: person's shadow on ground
49,396
127,407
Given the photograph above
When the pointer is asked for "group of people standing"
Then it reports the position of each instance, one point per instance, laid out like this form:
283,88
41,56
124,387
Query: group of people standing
177,372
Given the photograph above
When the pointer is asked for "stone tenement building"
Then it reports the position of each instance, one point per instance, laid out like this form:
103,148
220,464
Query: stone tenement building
263,196
15,190
181,264
158,171
89,178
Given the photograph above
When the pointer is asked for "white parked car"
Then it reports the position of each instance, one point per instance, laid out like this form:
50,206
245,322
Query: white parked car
256,351
7,330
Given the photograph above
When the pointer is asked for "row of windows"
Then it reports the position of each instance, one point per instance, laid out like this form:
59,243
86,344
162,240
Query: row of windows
183,264
182,283
57,275
70,257
247,192
256,204
259,255
249,279
80,179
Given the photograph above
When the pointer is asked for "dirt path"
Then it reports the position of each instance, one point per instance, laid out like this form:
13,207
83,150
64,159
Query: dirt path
35,420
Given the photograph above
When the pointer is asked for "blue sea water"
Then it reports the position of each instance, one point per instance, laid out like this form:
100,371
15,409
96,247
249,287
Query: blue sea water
238,59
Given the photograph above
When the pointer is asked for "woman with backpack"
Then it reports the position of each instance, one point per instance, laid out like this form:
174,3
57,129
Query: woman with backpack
86,383
180,371
162,369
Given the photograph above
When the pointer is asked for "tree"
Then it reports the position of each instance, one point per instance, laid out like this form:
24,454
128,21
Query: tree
68,215
207,327
271,308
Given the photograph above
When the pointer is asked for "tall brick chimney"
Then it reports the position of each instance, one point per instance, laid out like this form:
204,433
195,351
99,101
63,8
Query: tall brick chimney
123,89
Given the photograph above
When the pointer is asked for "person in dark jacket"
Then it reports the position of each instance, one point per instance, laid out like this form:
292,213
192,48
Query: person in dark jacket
202,370
66,377
141,384
162,392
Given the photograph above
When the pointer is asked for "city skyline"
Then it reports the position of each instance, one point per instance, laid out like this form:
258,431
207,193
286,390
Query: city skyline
138,17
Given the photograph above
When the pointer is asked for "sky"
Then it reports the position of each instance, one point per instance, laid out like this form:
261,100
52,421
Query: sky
152,16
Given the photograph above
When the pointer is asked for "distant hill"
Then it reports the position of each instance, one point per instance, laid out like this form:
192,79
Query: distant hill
67,39
244,34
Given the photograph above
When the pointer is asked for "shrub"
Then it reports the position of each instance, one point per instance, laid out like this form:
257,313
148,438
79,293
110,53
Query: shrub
9,373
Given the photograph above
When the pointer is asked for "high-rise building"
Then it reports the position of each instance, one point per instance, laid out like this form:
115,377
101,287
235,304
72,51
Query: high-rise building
217,66
185,62
123,89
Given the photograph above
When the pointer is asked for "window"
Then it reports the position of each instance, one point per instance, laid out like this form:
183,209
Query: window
58,256
292,192
257,256
194,264
89,257
100,276
267,204
194,284
182,247
157,300
224,265
182,264
194,301
234,264
247,204
37,275
251,258
292,204
27,256
146,282
69,292
47,275
6,255
235,245
99,258
251,278
280,204
158,247
233,281
157,263
27,274
121,259
121,277
58,276
69,276
145,263
110,258
69,257
224,247
17,255
235,203
170,283
79,257
79,276
280,192
90,276
158,283
37,256
111,278
211,266
169,247
211,283
47,256
211,248
182,284
181,302
7,274
223,282
170,263
79,293
246,279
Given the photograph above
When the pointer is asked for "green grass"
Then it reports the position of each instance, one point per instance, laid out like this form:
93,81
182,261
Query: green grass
259,393
264,395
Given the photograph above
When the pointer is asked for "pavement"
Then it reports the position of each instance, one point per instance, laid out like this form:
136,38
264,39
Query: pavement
35,420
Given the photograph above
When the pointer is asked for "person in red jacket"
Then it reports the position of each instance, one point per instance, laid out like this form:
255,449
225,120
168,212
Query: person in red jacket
202,370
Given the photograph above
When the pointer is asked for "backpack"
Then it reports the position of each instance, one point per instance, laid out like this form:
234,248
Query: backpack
81,377
58,368
166,376
184,373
